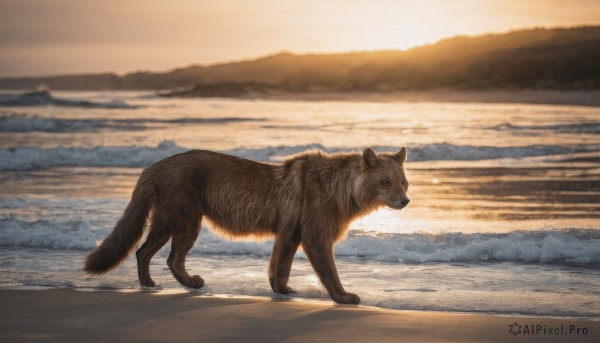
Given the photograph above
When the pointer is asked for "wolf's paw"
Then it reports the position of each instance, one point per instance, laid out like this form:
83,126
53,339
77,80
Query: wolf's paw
348,298
194,282
281,289
147,283
284,290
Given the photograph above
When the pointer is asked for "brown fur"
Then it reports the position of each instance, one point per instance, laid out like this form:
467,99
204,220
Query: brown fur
308,200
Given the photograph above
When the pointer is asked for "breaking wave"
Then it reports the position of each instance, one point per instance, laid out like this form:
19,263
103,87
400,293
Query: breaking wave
23,158
45,98
100,156
75,234
575,246
547,246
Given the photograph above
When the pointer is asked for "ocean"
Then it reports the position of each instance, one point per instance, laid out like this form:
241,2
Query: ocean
503,219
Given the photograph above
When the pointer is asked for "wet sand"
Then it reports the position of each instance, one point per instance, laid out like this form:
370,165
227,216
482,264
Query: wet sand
66,315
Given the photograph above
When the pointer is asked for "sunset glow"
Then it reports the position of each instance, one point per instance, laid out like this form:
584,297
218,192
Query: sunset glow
68,36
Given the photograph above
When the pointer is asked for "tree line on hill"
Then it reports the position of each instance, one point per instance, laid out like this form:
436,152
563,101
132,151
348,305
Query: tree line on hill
563,59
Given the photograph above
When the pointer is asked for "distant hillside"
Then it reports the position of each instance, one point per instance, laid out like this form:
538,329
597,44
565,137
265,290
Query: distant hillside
528,59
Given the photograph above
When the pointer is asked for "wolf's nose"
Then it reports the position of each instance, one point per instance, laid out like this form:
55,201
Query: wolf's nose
405,202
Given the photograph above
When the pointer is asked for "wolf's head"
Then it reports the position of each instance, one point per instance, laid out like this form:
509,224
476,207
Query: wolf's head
382,181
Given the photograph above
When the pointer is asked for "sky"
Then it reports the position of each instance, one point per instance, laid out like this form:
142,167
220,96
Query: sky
50,37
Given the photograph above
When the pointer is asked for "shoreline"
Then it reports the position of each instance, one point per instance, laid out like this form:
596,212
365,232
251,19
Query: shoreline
589,98
198,293
64,315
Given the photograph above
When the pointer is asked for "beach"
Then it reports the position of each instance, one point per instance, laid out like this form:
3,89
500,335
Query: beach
67,315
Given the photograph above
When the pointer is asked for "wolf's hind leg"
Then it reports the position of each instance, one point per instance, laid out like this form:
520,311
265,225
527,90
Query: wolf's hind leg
281,264
157,238
183,236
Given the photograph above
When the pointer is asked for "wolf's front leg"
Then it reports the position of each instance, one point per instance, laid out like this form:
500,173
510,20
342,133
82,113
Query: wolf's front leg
281,264
320,255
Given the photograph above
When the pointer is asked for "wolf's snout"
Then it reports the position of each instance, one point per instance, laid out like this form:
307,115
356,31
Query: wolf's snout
398,205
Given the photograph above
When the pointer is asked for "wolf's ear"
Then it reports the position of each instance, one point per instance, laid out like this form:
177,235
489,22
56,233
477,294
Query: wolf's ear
400,156
369,159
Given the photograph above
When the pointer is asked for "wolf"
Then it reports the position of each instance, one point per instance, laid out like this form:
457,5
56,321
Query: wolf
309,200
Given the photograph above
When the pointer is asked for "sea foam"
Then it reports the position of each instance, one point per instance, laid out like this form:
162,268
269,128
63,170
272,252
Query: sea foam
74,234
575,246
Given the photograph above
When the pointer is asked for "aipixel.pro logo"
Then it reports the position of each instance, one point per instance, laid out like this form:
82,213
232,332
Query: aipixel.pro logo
543,329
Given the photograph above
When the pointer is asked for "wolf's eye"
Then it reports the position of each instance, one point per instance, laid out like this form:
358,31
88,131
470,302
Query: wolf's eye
385,183
403,182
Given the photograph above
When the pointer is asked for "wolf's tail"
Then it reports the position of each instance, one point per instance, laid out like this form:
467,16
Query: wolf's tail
129,229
